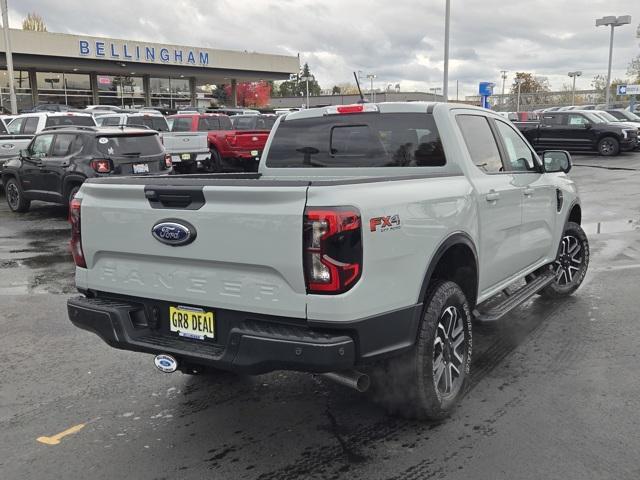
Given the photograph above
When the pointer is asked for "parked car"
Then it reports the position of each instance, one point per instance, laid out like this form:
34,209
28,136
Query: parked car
232,150
624,115
154,121
32,123
103,108
254,122
579,131
378,242
10,145
234,111
57,161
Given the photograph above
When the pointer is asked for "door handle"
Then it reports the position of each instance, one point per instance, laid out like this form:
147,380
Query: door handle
492,196
528,192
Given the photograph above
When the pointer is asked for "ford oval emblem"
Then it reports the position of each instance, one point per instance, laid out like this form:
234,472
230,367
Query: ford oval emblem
174,232
166,363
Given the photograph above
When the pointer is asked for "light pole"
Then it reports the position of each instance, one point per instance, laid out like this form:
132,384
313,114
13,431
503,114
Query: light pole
613,22
445,79
573,90
504,79
371,76
9,55
306,79
519,83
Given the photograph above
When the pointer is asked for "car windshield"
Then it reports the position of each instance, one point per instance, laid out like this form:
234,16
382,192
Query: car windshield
133,145
595,118
628,115
608,117
79,120
154,122
362,140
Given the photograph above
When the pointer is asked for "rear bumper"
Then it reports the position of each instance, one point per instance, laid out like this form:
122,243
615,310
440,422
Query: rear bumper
247,342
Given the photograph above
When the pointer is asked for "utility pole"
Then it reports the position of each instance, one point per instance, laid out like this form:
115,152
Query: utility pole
504,79
9,55
445,80
457,89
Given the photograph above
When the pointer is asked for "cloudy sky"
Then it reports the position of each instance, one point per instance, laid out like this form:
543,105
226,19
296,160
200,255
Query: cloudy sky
401,41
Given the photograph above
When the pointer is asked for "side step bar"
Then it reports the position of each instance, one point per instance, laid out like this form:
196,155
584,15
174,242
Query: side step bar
512,301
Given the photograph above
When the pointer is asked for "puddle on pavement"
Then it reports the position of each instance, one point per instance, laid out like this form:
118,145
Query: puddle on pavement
611,226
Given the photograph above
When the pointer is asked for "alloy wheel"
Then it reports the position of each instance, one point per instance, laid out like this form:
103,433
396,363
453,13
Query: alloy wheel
606,147
570,260
449,352
13,195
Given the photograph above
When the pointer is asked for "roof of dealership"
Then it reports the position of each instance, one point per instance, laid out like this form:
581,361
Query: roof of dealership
80,53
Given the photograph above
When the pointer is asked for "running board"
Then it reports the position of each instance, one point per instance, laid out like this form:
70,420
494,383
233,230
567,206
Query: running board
512,301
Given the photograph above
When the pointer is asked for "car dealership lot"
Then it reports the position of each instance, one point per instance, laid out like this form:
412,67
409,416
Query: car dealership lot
557,398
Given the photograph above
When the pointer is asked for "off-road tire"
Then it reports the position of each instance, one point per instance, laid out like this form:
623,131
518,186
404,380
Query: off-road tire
215,163
15,196
407,385
572,259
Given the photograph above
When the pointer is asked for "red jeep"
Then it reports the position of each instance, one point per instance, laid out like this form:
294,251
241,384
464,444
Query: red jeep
231,150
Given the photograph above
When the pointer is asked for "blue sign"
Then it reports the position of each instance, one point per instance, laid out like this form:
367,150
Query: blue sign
622,89
486,88
141,53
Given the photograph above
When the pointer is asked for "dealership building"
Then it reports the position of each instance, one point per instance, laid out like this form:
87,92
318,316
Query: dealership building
79,70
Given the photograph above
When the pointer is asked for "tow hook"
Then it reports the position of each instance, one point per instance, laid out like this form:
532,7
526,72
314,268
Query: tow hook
165,363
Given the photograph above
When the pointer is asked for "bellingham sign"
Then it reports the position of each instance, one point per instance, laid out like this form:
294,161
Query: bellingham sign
133,52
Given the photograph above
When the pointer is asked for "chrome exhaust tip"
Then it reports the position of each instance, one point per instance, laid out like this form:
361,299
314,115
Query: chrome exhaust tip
352,379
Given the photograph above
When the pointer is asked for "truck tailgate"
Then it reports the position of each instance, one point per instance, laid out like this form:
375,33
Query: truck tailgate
185,142
247,254
249,139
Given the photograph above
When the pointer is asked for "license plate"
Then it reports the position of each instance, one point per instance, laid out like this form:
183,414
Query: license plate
140,168
192,322
254,153
186,156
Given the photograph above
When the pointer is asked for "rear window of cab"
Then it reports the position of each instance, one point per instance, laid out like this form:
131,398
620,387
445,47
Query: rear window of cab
129,145
78,120
358,140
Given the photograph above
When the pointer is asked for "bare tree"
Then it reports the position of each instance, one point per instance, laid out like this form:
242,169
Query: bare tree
34,22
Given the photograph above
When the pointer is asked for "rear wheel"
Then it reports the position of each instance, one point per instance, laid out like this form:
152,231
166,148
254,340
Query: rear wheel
15,197
608,147
570,266
72,194
429,380
215,163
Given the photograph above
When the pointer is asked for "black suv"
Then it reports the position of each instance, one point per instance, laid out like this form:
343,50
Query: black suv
59,159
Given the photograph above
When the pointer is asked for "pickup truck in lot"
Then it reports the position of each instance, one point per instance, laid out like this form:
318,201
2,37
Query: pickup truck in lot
370,238
10,145
232,150
575,130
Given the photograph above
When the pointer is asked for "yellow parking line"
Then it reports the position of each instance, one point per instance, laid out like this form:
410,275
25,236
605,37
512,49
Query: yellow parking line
55,439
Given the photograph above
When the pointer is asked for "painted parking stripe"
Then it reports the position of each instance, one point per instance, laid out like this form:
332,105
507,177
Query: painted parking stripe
55,439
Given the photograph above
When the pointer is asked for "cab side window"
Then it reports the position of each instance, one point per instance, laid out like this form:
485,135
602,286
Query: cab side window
577,119
519,155
480,142
553,119
64,144
40,146
15,126
30,125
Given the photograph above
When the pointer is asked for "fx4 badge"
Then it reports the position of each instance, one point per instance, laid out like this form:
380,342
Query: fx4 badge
382,224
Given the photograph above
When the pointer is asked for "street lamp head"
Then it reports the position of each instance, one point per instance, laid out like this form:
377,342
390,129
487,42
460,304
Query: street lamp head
611,20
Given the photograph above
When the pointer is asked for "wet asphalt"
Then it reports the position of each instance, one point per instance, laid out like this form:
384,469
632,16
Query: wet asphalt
554,392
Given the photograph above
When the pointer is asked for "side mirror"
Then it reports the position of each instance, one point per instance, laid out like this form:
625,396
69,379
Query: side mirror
24,153
556,161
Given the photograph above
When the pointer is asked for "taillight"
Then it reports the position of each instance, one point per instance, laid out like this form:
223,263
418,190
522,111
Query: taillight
101,166
167,161
332,249
231,140
76,237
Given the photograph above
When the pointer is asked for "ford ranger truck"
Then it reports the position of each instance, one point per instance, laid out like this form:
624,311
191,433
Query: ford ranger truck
370,238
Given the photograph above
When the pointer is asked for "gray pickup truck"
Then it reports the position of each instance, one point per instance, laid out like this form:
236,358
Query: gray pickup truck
10,144
370,238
